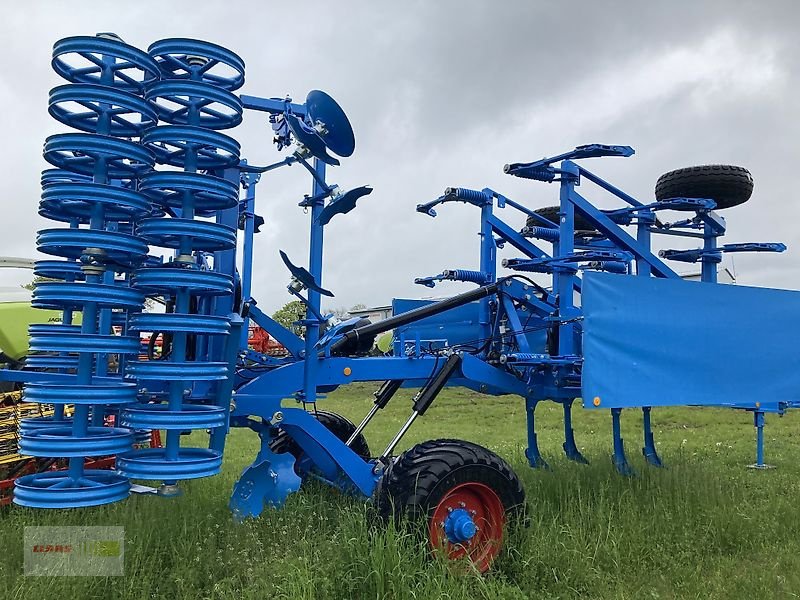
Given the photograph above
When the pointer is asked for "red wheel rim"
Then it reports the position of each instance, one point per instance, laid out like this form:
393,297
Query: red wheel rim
487,512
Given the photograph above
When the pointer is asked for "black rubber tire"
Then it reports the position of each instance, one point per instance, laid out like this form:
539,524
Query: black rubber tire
551,214
413,486
340,426
727,185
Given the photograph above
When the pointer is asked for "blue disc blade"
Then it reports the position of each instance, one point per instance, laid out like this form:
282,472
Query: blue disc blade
337,133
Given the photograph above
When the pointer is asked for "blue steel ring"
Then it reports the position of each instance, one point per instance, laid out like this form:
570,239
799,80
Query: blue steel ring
178,371
41,361
58,269
200,96
177,322
152,463
115,247
214,150
50,176
159,416
95,487
75,393
28,425
205,235
56,294
171,55
167,280
45,328
132,58
67,200
80,152
207,191
83,342
60,442
104,101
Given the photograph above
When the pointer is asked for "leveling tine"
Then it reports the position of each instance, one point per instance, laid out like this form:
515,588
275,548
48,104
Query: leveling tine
570,447
649,449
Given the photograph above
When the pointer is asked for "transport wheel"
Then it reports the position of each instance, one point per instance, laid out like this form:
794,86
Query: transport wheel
551,214
340,426
460,494
727,185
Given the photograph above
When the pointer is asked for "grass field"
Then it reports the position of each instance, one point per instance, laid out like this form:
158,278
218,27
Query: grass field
705,527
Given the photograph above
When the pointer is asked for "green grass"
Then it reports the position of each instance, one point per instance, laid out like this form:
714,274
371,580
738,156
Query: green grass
705,527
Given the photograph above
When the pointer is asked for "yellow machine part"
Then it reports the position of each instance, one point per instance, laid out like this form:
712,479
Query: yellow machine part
15,317
11,413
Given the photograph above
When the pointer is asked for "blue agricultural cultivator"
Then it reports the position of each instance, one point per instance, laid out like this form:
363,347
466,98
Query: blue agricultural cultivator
156,204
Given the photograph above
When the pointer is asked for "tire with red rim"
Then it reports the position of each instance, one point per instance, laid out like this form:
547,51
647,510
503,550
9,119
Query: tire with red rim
461,494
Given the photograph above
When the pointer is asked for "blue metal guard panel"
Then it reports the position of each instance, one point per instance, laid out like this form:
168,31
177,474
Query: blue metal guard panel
659,342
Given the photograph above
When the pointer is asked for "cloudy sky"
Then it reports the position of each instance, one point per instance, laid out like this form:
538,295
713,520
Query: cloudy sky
444,94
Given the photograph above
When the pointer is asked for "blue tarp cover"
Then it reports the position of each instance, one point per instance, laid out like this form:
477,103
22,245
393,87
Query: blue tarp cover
659,342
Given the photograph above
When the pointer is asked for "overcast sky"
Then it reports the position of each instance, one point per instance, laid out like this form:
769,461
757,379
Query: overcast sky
444,94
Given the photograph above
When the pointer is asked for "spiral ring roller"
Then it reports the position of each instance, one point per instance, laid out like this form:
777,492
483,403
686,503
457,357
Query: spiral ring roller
103,101
194,98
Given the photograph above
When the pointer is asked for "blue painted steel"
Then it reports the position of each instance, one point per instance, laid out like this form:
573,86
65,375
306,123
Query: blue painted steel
163,280
56,489
623,315
619,460
169,188
192,323
132,115
80,152
158,416
343,204
541,342
168,233
80,192
459,526
330,122
193,97
213,150
133,70
62,442
198,60
267,482
305,277
67,201
161,464
59,393
649,449
203,104
570,447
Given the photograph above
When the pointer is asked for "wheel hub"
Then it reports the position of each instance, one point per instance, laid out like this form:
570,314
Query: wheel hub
459,527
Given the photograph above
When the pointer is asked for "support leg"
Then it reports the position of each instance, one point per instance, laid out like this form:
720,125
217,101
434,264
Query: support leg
532,452
570,448
619,459
649,448
759,419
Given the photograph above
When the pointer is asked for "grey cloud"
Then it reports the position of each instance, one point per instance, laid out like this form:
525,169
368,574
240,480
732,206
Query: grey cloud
444,94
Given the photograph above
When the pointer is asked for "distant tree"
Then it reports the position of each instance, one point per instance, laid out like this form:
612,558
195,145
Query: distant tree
32,284
290,313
